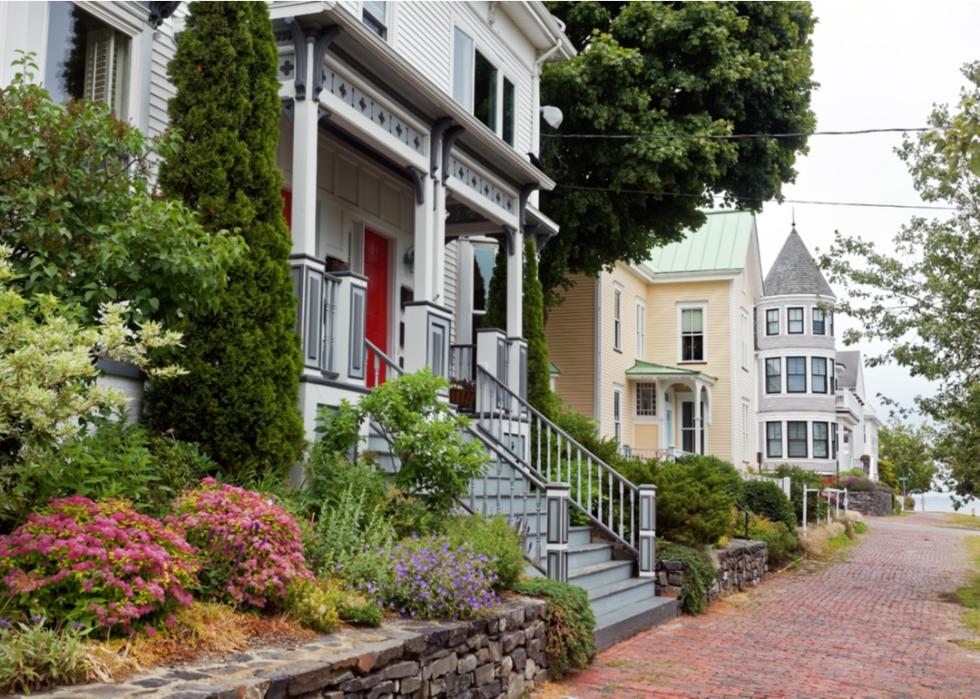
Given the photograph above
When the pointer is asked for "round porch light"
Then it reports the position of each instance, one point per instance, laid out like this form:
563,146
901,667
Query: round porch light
552,115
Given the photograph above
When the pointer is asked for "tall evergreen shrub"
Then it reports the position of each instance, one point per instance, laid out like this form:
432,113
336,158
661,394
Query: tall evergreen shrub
538,367
239,400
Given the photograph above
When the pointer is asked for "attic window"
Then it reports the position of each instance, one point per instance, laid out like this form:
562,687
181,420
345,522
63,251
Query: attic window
86,58
374,14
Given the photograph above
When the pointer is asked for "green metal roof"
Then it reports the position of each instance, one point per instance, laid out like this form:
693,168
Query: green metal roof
642,368
722,243
553,369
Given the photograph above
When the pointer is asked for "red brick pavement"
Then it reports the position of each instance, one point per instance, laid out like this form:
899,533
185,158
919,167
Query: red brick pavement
874,625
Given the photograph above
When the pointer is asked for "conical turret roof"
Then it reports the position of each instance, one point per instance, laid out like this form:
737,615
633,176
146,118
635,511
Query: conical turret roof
795,271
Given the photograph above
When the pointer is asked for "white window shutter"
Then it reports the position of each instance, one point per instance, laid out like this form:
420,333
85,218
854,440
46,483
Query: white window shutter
99,74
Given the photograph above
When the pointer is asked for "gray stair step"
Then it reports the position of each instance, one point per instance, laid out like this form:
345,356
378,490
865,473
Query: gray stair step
578,536
588,554
628,592
627,621
601,574
508,507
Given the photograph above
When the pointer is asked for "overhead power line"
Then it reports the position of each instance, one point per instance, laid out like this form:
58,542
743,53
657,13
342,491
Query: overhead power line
738,136
817,202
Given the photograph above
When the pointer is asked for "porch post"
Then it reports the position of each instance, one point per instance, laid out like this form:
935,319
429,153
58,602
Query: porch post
439,235
698,420
464,295
424,272
556,497
515,284
647,540
304,163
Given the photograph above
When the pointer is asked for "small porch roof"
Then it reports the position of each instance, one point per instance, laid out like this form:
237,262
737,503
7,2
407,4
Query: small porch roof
642,369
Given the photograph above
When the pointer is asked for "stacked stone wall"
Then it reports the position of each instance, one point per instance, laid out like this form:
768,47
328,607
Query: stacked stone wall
501,655
739,565
872,503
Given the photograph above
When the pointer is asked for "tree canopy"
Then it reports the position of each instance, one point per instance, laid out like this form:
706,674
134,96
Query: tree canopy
920,296
684,76
908,451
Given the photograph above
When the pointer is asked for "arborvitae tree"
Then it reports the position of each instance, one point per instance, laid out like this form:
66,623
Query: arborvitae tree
538,367
239,400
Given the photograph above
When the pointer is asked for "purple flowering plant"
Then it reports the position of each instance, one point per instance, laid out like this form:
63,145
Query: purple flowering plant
250,548
432,579
101,564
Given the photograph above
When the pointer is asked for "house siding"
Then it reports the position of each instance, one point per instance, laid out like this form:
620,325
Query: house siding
570,333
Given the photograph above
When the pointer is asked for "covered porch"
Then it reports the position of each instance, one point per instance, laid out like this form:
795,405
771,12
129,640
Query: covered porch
387,180
671,410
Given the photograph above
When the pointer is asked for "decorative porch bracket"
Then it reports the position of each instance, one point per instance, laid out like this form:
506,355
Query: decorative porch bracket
299,48
647,531
323,40
557,496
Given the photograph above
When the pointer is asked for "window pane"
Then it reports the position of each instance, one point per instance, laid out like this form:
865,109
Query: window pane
796,439
693,348
646,399
373,14
774,379
463,69
510,112
818,367
795,320
774,440
820,440
691,320
796,374
485,91
772,321
819,324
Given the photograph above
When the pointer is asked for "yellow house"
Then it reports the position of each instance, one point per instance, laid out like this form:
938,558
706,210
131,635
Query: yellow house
662,353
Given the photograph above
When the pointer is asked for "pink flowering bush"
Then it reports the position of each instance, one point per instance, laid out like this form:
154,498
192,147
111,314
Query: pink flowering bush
99,564
249,547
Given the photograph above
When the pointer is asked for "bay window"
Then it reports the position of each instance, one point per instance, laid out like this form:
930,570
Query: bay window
796,446
819,322
774,378
796,374
821,439
818,374
772,321
794,321
774,440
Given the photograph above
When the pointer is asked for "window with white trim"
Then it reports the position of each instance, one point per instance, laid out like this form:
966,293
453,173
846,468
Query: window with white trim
618,319
794,321
481,88
374,16
774,440
641,330
774,375
821,440
818,374
819,321
86,58
772,321
618,414
745,340
796,374
692,334
646,400
745,431
796,446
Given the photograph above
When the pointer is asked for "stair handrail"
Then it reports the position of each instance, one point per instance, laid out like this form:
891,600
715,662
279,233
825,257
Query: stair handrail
371,348
605,471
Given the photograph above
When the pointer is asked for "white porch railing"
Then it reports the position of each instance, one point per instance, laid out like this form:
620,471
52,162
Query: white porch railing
846,400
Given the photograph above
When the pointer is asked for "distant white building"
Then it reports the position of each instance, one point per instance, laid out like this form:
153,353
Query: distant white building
813,410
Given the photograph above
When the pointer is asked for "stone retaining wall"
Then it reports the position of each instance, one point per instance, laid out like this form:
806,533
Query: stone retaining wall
739,565
874,503
502,655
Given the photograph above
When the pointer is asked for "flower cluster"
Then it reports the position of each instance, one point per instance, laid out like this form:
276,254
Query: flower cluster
250,548
432,579
102,564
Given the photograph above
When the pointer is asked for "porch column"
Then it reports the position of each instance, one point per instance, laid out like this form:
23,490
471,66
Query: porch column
515,284
698,420
464,293
306,113
439,248
425,239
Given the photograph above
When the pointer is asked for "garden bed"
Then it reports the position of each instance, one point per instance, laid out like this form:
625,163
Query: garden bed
501,654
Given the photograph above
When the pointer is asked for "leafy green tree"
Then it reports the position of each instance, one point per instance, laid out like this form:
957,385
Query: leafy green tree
82,221
684,75
496,315
918,296
908,450
239,399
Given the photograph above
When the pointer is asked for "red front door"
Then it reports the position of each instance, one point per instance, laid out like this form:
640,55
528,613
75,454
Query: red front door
376,328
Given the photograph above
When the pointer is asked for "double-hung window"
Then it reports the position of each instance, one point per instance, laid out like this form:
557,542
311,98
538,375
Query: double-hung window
821,439
86,58
692,334
796,440
480,88
774,378
796,374
641,330
745,431
744,329
618,320
794,321
646,400
818,374
618,414
373,16
774,440
819,322
772,321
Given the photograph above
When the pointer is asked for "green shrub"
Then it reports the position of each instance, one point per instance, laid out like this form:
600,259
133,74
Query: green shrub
695,497
860,527
571,624
313,603
858,484
781,542
357,609
33,656
768,500
816,507
699,574
494,538
113,460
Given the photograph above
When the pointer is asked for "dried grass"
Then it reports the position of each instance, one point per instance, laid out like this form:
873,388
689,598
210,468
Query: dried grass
816,541
201,631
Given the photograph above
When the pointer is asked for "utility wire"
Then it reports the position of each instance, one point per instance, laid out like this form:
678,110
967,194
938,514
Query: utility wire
873,205
738,136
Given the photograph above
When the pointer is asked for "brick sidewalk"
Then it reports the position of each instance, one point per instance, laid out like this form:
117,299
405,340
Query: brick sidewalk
872,626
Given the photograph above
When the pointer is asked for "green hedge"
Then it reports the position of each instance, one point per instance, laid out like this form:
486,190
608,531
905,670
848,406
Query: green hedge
767,499
699,574
571,624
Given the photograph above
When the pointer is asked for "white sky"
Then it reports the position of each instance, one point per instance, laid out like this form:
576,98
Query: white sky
879,64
